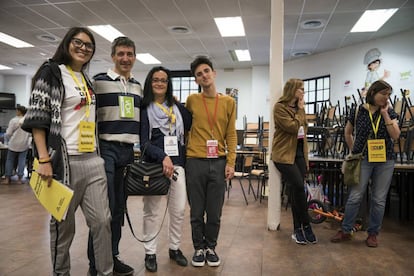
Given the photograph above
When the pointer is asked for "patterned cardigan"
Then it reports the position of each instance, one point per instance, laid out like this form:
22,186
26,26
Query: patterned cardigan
44,112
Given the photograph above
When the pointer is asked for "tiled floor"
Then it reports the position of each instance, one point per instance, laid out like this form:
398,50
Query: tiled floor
245,246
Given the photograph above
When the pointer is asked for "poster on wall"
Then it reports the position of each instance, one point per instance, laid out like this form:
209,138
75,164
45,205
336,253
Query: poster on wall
234,93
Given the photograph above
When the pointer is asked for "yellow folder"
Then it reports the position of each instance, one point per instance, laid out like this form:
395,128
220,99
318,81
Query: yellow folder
55,198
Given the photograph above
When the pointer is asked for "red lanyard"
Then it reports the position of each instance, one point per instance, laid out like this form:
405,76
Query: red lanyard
211,122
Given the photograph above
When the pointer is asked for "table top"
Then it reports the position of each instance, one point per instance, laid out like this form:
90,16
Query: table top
248,152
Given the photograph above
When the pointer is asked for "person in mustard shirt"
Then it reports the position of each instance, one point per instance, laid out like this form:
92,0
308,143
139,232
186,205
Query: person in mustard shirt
290,154
211,155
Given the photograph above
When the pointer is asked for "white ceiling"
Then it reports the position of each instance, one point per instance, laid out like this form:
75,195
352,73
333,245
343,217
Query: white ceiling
147,22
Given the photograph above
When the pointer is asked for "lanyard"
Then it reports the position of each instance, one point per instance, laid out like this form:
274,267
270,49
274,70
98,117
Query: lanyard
169,114
211,122
84,89
374,127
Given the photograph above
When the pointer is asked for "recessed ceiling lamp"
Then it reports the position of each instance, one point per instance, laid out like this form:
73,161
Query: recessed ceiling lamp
106,31
4,67
47,38
372,20
240,55
15,42
300,54
230,26
147,58
312,24
179,30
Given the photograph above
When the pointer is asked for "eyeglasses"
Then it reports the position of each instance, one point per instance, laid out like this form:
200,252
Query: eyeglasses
79,43
164,81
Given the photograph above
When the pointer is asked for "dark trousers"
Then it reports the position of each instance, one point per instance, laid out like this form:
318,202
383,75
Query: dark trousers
116,156
205,190
294,176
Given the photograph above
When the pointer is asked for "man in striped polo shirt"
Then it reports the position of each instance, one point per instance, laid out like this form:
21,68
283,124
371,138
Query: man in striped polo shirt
118,98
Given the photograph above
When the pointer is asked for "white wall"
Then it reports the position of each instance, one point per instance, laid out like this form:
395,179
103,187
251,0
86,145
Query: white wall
19,85
347,64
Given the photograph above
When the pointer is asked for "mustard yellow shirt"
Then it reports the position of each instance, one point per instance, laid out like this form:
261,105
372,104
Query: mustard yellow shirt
224,127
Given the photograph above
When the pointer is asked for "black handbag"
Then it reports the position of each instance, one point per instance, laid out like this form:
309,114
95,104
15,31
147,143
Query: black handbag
145,178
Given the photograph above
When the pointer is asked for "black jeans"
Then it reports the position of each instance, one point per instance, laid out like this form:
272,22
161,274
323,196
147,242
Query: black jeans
205,189
294,176
117,156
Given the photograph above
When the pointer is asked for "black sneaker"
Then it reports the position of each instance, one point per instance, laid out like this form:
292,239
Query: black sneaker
298,237
151,262
212,258
178,257
198,258
309,235
121,268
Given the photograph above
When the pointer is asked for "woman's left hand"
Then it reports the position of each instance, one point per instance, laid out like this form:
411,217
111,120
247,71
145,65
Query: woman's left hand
168,167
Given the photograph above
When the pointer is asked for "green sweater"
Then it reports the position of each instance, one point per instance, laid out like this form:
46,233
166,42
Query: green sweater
224,126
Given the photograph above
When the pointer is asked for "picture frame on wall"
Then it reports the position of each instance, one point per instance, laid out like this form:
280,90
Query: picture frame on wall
234,93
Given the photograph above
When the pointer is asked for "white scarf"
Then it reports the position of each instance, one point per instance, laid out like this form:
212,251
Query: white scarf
159,119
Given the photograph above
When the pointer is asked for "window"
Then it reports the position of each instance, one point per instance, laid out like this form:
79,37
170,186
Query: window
183,85
317,93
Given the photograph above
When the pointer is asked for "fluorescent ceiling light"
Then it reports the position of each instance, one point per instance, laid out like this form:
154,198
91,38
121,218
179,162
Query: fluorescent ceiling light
372,20
4,67
243,55
230,26
147,59
106,31
240,55
12,41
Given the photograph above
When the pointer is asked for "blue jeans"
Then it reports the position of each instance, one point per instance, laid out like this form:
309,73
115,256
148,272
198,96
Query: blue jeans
116,155
11,157
381,176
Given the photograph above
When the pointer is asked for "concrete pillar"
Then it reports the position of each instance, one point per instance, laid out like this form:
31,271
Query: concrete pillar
276,85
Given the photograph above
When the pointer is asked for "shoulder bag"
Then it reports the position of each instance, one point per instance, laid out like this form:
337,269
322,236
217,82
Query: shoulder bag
145,178
351,166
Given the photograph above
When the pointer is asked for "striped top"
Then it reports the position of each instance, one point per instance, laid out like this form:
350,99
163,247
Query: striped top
111,127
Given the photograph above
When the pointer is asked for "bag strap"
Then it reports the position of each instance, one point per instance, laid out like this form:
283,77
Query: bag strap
141,158
159,230
355,124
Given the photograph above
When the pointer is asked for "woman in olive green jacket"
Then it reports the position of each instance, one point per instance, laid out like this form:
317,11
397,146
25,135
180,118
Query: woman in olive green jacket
290,154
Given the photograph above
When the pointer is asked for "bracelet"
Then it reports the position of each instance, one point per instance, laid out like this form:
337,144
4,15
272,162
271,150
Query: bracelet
389,124
44,161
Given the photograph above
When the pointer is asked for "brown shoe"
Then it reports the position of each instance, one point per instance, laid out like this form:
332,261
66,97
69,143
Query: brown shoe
371,241
341,236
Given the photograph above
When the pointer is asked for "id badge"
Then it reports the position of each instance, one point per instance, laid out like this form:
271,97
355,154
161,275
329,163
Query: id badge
171,145
212,149
376,150
126,107
301,133
86,140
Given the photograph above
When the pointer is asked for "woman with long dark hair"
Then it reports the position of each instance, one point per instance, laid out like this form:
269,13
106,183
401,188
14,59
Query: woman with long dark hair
61,117
163,123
